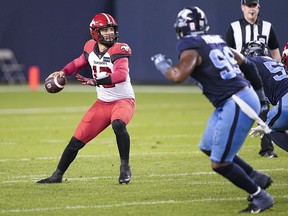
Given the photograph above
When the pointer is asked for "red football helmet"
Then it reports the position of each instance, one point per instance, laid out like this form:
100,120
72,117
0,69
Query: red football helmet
100,21
285,55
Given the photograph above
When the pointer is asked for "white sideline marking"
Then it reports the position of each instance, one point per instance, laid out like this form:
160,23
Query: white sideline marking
74,87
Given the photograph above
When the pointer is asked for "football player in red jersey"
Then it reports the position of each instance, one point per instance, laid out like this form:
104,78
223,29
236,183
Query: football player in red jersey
115,104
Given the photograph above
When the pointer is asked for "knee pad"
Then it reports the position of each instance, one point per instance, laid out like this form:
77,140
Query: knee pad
75,144
119,127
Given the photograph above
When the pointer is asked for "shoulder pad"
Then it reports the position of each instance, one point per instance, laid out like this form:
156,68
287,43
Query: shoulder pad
120,49
89,46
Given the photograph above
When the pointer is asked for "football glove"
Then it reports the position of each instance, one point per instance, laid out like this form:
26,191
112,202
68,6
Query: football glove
86,81
259,131
161,63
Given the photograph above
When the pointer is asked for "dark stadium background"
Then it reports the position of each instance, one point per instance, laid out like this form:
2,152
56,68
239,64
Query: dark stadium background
51,33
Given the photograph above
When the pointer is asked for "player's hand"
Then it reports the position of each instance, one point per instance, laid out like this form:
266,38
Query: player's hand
161,63
258,131
86,81
56,73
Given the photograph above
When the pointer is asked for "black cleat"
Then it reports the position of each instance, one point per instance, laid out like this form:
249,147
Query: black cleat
125,174
260,203
56,177
251,209
269,155
50,180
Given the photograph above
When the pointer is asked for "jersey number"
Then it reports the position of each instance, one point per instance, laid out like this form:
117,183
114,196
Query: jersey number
224,60
103,69
276,68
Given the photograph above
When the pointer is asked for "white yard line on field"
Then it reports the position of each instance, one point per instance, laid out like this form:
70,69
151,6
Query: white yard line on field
124,204
150,178
100,155
26,111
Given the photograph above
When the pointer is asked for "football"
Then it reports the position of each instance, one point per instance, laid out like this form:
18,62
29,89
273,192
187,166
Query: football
55,84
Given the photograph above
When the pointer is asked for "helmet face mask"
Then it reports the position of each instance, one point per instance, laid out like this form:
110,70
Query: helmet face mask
102,21
254,48
191,21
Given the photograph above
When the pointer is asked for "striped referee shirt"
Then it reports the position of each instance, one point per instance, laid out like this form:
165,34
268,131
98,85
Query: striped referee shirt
241,32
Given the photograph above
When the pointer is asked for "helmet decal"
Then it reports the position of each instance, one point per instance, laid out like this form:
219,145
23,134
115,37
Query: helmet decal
191,21
108,18
92,23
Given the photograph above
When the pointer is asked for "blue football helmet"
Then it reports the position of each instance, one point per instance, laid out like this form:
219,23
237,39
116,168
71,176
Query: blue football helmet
191,21
254,48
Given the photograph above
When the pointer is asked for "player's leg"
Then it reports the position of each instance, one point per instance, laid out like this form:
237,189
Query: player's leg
89,127
277,119
206,141
217,142
69,154
228,139
122,113
230,132
267,148
123,143
263,180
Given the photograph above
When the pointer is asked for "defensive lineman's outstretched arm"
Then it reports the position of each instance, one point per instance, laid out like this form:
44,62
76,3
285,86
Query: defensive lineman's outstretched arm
189,60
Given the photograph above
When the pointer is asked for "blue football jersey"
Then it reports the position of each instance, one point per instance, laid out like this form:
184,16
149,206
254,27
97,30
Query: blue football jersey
274,77
218,75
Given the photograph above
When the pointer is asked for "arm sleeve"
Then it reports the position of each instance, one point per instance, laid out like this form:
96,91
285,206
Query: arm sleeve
251,73
121,68
273,41
75,65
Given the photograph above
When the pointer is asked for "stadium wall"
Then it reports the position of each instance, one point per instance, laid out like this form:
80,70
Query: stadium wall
52,33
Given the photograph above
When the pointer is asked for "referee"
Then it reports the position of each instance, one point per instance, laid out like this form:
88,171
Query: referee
250,28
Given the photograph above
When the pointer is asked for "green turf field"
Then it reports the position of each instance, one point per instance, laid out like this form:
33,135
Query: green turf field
170,176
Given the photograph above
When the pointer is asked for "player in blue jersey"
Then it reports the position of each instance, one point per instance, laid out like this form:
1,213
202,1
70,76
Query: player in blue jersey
275,84
210,62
